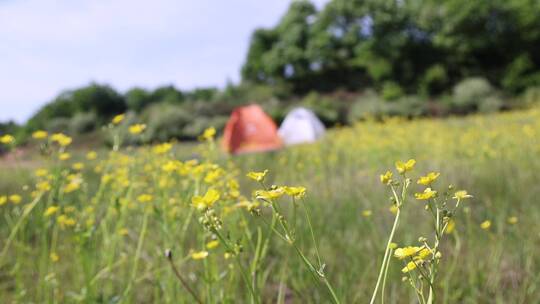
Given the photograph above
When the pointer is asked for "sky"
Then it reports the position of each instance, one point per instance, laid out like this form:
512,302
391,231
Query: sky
49,46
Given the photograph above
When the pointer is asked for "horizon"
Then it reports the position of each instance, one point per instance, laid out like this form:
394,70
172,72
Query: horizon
107,42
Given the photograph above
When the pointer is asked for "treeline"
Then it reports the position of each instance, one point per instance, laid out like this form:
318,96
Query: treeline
351,60
408,46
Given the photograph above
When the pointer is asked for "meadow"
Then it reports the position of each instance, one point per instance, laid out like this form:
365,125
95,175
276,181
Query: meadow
177,223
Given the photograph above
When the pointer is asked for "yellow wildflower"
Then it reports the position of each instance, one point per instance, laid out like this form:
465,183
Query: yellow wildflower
512,220
64,156
7,139
405,167
50,211
118,119
91,155
41,172
15,198
77,166
54,257
137,128
428,179
462,194
65,221
257,176
40,134
162,148
72,186
145,198
450,227
485,225
199,255
3,200
393,209
366,213
123,231
410,266
386,178
61,139
409,251
270,194
208,134
427,194
43,186
212,244
297,192
210,197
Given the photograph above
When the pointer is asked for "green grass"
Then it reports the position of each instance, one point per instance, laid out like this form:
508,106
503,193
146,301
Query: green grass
495,158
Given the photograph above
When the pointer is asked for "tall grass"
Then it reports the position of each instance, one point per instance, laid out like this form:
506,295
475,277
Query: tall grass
100,231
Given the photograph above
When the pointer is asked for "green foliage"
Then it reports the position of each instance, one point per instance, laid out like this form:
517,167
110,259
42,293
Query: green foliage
82,123
325,108
391,91
166,121
469,94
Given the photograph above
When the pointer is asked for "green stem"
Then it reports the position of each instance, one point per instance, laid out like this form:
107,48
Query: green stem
137,254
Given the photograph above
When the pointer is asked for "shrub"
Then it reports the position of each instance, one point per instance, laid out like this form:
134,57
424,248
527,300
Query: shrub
468,94
391,91
366,105
166,121
60,124
82,123
325,108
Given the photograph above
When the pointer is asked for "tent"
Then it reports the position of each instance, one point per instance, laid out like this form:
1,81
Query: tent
249,129
301,126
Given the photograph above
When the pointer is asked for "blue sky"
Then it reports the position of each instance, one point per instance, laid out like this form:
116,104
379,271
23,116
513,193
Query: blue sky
48,46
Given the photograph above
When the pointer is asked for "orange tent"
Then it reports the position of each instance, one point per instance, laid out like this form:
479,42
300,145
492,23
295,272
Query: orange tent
249,129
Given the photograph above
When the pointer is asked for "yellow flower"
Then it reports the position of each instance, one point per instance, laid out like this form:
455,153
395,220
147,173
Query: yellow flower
270,194
65,221
3,200
137,128
257,176
366,213
428,179
409,251
162,148
512,220
123,231
297,192
77,166
91,155
386,178
72,186
212,244
64,156
410,266
41,172
118,119
50,211
199,255
61,139
462,194
54,257
405,167
485,225
450,227
7,139
206,201
43,186
15,198
393,209
208,134
40,134
427,194
145,198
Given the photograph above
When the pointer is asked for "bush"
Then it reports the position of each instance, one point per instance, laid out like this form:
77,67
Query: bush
60,124
365,106
408,106
491,104
325,108
531,96
391,91
198,126
166,121
82,123
469,94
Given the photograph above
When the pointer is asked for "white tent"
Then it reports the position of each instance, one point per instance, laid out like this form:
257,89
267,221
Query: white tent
300,126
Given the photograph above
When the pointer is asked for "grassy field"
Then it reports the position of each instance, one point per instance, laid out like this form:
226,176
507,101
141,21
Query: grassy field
95,230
